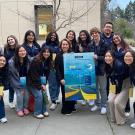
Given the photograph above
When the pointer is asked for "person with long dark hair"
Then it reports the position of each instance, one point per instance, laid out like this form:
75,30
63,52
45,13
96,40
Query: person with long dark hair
72,37
3,85
40,68
119,88
30,44
18,69
9,51
52,41
119,47
67,106
129,59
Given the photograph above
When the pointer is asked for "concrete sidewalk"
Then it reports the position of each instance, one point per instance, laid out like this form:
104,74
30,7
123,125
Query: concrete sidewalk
83,122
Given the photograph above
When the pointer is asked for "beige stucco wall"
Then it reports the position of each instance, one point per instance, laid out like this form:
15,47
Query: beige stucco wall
17,16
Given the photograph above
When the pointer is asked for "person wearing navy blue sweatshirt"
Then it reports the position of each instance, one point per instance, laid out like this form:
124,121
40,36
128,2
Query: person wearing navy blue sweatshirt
99,52
30,44
129,59
3,83
120,46
9,51
40,68
18,69
119,88
52,41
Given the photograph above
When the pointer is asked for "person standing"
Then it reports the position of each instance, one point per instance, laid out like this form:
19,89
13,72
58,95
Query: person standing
9,51
3,83
30,44
39,68
52,41
99,52
67,106
18,69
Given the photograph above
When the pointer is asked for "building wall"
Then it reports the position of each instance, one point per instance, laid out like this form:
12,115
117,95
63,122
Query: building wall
17,16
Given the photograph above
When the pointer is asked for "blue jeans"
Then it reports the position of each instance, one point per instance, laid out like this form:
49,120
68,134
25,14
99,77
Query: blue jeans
101,91
22,98
54,86
39,107
11,94
2,108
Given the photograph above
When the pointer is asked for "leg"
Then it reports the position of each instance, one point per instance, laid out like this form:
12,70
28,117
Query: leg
11,94
111,99
2,108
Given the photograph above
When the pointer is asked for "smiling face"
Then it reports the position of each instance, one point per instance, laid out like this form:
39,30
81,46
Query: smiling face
117,39
21,52
95,35
65,46
70,36
30,37
109,58
108,29
2,61
128,58
53,37
11,42
83,36
46,54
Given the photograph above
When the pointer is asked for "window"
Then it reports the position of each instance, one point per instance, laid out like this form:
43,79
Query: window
43,19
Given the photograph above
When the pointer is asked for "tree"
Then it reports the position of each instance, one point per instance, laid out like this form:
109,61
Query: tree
122,26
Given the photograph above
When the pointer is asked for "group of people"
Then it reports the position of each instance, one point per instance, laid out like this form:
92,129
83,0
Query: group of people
26,69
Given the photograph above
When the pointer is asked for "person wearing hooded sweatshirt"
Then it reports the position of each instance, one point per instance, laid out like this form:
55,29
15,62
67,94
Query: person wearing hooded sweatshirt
52,41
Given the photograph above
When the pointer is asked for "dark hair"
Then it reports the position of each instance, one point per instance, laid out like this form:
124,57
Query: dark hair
40,58
132,66
6,46
88,39
28,33
94,29
17,60
107,66
124,45
108,22
48,38
74,42
68,41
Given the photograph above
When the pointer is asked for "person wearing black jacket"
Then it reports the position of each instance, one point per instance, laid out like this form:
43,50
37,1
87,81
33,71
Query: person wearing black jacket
99,52
3,82
52,41
119,88
67,106
39,68
129,59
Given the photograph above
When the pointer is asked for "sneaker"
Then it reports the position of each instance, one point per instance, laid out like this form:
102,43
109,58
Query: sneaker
127,114
83,102
132,125
103,110
39,116
46,114
11,105
74,110
91,102
94,108
53,106
20,113
3,120
67,114
26,111
58,101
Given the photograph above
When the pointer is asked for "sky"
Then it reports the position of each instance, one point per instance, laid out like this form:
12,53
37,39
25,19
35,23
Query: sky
121,3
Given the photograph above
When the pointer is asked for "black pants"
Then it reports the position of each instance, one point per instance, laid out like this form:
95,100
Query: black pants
67,106
127,109
134,108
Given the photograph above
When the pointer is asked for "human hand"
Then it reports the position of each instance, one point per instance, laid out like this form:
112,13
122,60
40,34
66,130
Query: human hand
62,82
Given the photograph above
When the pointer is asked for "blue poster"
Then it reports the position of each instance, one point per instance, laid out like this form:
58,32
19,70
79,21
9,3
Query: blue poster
79,76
